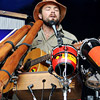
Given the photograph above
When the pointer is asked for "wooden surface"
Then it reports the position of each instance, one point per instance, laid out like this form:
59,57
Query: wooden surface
36,78
13,14
25,79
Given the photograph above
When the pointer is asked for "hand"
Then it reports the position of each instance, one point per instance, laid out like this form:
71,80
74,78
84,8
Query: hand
77,45
20,69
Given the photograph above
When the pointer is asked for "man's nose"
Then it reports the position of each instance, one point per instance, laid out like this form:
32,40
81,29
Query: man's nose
52,10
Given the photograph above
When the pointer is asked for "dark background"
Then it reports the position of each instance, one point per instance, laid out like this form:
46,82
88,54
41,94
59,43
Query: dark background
82,18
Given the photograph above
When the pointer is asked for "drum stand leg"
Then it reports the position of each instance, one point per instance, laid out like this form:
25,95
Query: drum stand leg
65,93
65,83
65,87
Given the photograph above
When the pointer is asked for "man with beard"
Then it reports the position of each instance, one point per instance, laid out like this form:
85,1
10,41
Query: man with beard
50,10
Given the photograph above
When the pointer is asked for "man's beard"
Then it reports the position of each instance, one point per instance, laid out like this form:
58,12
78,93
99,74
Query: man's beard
48,23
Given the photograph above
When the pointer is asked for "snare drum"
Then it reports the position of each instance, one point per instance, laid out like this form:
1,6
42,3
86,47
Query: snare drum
58,59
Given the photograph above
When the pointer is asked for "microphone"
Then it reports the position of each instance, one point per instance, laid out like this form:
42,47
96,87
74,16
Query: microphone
29,88
52,23
53,88
59,39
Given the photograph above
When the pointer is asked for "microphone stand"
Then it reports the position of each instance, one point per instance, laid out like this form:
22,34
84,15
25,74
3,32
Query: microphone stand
59,39
60,42
65,81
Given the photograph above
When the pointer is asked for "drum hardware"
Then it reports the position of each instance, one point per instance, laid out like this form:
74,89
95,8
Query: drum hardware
48,62
64,62
89,51
86,72
96,97
90,97
30,89
65,82
93,82
87,75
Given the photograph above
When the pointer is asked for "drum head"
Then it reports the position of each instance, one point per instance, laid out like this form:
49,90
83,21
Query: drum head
93,83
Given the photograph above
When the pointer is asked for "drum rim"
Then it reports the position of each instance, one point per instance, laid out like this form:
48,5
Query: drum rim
65,45
53,56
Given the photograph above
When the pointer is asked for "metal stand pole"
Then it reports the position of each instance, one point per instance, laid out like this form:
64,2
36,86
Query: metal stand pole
65,78
97,95
65,93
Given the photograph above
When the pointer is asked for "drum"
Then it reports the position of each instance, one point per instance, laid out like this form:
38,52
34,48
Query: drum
93,82
90,50
59,59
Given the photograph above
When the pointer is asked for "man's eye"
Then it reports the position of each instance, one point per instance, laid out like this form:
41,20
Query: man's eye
56,9
47,8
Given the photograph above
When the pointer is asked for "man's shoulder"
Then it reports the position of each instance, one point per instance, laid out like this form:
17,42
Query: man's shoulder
68,33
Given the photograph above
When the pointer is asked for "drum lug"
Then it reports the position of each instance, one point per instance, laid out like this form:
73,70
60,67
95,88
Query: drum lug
83,57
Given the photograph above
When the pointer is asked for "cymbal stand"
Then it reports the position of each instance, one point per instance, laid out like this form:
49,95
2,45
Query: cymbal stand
97,90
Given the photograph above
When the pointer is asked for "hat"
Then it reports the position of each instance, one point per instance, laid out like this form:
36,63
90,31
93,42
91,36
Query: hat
44,2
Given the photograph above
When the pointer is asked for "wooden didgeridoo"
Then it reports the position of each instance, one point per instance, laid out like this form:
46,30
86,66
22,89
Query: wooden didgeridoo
18,32
12,61
15,38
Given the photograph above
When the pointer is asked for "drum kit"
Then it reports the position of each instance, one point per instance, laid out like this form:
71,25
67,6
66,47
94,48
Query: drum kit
65,62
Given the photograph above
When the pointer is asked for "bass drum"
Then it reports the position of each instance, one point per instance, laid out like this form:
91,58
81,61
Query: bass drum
59,59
